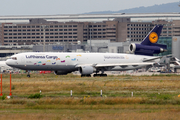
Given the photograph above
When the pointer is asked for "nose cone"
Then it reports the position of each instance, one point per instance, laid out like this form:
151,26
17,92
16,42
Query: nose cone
9,62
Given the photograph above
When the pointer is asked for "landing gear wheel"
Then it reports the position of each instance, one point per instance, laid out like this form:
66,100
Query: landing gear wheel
103,75
100,75
86,75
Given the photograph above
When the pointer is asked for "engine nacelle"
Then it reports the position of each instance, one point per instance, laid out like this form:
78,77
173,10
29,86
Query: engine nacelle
145,49
86,70
61,72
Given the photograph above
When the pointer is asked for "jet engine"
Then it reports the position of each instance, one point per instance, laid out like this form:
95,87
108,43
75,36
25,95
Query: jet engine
61,72
146,49
86,70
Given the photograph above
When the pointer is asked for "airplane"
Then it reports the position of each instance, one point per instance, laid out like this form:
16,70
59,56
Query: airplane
89,63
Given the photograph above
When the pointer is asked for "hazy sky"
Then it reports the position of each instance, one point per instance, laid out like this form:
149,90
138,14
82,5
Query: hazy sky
52,7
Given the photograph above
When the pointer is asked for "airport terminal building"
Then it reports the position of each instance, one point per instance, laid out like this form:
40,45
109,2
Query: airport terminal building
117,30
39,31
34,32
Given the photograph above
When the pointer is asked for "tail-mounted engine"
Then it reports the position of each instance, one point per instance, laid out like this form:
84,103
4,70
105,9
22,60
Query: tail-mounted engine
147,49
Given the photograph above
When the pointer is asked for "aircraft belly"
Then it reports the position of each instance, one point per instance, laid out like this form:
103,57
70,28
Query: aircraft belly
47,67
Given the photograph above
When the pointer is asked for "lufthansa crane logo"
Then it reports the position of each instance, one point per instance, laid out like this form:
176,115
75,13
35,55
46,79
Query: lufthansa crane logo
153,37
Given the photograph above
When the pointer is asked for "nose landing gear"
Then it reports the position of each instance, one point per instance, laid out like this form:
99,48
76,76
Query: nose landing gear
28,75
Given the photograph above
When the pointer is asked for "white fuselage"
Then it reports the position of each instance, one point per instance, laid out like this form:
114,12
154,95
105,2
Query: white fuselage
69,61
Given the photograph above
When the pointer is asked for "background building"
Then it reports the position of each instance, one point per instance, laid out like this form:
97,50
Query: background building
38,30
92,35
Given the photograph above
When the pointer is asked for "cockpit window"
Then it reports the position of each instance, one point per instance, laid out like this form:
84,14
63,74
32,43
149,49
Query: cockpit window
14,58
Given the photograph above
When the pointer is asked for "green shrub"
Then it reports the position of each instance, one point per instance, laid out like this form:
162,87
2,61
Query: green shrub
37,95
3,97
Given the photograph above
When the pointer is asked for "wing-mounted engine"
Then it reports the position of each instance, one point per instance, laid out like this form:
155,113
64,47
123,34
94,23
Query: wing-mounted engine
61,72
86,70
149,45
146,49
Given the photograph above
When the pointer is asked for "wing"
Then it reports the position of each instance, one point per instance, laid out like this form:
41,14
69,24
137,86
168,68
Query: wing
123,64
116,64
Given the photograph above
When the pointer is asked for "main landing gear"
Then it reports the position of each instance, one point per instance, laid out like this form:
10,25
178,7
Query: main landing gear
100,75
89,75
95,75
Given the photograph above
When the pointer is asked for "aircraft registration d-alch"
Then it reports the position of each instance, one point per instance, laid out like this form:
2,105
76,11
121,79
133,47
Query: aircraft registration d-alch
89,63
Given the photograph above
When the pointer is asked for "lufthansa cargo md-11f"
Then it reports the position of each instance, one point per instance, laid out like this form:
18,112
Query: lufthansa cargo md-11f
88,63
